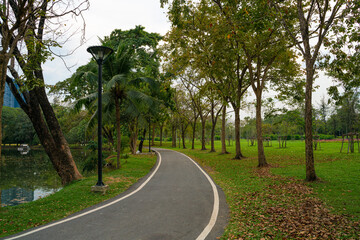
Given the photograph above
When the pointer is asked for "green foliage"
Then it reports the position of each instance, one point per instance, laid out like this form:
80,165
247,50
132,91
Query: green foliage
16,127
73,124
77,134
91,160
342,60
124,143
82,83
326,137
141,45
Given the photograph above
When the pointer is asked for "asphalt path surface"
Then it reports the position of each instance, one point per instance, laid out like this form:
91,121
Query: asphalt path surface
176,200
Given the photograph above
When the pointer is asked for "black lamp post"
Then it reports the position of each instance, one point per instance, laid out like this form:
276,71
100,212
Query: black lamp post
100,54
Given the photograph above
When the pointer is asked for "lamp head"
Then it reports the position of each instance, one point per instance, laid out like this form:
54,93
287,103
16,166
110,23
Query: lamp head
100,53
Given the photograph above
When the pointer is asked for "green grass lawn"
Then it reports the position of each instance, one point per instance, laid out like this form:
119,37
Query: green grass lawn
74,197
276,202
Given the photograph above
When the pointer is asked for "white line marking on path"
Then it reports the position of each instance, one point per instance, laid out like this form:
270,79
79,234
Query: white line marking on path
93,210
215,211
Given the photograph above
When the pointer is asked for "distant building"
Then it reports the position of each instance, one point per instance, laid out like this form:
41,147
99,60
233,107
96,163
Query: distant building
9,98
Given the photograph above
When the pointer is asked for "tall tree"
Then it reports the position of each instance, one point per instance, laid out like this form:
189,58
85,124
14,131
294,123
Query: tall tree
223,131
265,49
15,18
215,109
315,21
30,54
182,103
197,92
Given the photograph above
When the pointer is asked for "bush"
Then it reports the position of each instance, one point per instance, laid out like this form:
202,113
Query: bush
327,137
217,137
125,143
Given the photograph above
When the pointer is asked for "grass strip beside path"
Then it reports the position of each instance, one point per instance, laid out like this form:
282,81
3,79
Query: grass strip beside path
73,197
264,205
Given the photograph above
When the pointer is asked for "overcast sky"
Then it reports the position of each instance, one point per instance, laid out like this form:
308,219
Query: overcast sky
106,15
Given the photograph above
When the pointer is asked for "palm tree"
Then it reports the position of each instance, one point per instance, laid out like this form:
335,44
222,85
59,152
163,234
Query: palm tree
120,93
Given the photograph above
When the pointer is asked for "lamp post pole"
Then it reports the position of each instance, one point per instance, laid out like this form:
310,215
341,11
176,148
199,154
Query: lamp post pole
100,182
100,54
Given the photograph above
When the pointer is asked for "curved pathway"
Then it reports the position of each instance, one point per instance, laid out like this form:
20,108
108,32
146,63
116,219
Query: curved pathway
177,200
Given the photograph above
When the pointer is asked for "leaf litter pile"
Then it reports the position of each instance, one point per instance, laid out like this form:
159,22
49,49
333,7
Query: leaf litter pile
285,209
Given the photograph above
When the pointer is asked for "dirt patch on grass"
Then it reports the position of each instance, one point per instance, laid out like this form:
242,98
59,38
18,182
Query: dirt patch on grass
287,209
111,180
303,216
209,170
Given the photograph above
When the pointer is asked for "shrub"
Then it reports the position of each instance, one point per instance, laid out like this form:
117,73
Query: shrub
327,137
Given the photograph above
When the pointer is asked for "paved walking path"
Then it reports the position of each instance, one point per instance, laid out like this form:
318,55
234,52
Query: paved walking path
177,200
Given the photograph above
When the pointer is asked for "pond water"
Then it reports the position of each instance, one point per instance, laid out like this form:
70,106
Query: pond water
28,177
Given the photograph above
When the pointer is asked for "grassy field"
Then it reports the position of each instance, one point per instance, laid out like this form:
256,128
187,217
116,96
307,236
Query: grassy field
74,197
276,202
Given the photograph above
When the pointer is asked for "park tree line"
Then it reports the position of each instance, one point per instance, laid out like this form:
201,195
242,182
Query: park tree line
216,53
247,47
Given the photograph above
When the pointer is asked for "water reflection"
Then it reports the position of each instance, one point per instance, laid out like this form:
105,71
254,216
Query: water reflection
25,178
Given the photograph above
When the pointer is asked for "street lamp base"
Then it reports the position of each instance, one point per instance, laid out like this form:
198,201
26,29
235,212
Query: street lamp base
102,189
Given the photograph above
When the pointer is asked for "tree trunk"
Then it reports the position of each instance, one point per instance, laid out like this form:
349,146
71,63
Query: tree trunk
153,135
179,137
173,133
203,143
133,135
238,154
183,137
223,131
309,154
212,140
261,154
118,133
38,108
193,133
51,136
161,133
